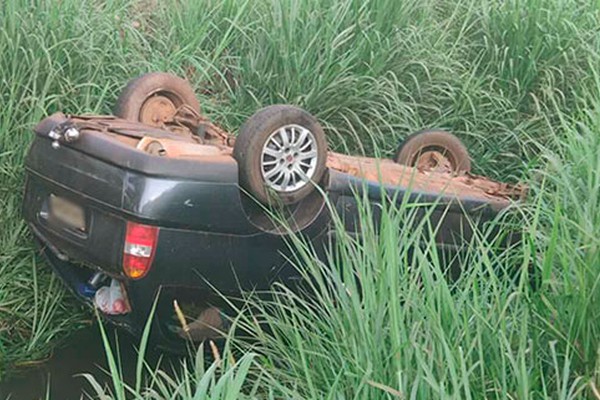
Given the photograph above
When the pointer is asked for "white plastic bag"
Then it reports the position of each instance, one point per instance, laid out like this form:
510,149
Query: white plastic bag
111,299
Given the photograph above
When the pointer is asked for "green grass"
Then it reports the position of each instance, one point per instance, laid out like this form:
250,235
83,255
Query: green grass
224,379
517,80
383,322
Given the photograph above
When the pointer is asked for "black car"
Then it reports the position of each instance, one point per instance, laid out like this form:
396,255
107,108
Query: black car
157,198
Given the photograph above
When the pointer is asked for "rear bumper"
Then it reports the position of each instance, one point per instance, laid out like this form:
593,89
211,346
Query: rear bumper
74,276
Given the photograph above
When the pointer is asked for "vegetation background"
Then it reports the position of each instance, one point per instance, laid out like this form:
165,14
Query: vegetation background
517,80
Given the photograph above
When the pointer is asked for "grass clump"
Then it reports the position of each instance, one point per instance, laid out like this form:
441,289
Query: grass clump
224,379
380,319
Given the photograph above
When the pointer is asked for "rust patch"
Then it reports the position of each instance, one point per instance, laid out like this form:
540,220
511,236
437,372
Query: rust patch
157,110
435,181
434,161
185,125
180,149
176,139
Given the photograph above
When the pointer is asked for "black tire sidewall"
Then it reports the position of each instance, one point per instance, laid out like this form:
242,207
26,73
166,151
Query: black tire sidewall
138,90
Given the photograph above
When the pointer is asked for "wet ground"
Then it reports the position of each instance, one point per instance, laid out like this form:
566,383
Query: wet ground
83,354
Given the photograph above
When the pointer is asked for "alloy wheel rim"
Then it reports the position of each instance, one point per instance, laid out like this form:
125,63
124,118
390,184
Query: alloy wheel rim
289,158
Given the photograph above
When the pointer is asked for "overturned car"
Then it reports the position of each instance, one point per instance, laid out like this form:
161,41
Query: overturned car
158,199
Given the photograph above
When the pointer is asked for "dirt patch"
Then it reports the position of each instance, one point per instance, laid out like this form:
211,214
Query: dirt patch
462,185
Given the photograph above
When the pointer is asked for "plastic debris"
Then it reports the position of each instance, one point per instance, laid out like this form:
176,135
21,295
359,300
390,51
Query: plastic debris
111,299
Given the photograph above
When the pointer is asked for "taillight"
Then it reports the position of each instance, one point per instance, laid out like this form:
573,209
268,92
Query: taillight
139,249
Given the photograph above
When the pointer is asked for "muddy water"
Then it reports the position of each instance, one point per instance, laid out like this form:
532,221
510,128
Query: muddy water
84,353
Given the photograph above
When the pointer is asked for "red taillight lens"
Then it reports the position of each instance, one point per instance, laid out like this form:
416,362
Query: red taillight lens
139,249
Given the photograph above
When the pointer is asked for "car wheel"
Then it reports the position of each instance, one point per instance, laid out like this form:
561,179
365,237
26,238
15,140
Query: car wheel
154,98
281,152
434,150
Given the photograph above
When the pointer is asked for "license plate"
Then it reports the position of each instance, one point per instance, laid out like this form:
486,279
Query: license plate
67,212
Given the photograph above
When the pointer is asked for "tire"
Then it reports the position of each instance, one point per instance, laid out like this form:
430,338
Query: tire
264,175
434,142
154,98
